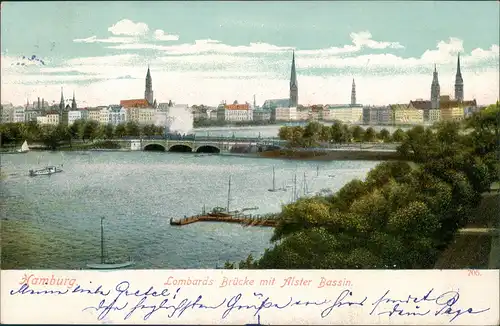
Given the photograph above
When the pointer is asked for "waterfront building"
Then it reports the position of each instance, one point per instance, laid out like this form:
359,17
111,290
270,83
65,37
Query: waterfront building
434,116
235,112
454,110
366,115
315,112
261,115
146,115
407,114
276,103
74,115
50,118
134,108
303,113
284,114
18,115
31,115
381,115
425,106
94,114
113,115
344,113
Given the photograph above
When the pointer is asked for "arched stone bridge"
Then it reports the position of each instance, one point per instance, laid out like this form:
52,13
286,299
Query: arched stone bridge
204,146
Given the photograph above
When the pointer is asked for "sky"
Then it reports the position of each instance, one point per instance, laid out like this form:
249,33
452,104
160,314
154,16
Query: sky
207,52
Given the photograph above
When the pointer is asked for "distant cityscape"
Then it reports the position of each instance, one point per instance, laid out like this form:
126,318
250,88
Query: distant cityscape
146,111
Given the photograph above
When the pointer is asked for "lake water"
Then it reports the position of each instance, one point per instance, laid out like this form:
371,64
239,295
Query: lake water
56,220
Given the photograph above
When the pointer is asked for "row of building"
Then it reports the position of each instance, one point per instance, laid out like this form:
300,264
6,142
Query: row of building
141,112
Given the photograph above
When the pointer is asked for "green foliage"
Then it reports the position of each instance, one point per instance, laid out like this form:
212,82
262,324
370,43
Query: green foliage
56,136
404,214
314,133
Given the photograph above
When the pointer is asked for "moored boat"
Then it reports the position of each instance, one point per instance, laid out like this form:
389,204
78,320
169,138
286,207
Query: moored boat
49,170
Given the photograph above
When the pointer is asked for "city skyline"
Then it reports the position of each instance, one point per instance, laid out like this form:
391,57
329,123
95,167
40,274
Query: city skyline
240,49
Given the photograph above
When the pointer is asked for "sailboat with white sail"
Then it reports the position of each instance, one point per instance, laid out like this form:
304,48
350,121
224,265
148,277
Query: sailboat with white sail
24,148
104,264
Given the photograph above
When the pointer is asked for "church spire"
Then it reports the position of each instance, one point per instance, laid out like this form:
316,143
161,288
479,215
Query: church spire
61,103
459,82
435,89
148,93
294,88
73,103
353,93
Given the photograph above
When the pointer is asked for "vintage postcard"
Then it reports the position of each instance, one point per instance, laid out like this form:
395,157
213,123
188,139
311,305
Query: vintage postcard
250,162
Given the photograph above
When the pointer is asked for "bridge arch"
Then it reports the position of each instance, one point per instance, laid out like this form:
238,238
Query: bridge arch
154,148
180,148
208,149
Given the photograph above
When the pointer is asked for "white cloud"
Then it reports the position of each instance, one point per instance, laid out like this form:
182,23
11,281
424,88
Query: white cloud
94,39
359,41
128,27
211,77
205,46
160,35
444,54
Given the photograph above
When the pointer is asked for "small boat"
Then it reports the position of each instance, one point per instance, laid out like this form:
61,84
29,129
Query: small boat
49,170
106,264
24,148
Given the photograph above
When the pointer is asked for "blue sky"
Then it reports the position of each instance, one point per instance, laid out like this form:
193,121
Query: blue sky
206,52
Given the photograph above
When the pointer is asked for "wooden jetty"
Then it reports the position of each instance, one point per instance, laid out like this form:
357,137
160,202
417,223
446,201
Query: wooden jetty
246,220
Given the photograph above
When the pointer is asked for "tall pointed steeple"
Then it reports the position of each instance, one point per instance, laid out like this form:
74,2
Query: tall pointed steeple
61,103
435,90
294,87
148,93
353,93
73,103
459,82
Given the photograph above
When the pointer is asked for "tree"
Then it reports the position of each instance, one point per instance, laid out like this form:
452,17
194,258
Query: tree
398,135
285,133
384,135
148,130
50,136
120,130
325,134
132,128
384,172
300,215
369,135
76,129
90,130
106,131
357,133
336,132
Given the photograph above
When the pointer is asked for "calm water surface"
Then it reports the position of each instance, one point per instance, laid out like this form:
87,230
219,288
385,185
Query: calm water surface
137,193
